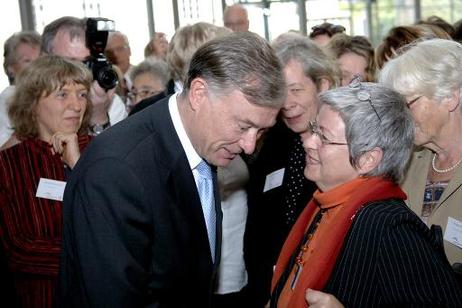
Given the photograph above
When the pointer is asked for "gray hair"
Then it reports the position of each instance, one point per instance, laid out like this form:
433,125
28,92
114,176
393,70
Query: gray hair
156,68
315,63
384,122
75,26
31,38
240,61
431,68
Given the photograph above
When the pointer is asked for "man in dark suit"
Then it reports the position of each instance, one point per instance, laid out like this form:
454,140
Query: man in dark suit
135,231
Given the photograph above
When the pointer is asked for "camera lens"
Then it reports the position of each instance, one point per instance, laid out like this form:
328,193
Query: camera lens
107,78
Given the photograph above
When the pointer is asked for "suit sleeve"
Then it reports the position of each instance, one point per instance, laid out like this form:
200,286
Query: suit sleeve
107,234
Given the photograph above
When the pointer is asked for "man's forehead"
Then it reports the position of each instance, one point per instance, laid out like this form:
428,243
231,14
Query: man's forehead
70,48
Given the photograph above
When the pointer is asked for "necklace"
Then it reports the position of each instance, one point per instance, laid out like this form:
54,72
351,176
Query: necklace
444,170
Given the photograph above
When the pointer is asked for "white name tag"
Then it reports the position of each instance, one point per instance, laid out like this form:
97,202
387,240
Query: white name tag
453,232
50,189
274,179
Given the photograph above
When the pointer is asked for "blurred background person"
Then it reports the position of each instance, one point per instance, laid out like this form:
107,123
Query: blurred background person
157,46
184,43
428,74
399,36
277,189
19,50
149,78
235,17
118,52
49,115
65,37
436,21
354,56
323,33
357,239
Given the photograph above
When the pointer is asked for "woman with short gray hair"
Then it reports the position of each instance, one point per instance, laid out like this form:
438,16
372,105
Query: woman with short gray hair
148,78
429,75
357,240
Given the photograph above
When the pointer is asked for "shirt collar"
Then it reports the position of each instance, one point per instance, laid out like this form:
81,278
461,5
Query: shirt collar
193,158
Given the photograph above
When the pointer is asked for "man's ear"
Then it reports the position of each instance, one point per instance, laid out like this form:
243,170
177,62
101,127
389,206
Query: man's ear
197,93
370,160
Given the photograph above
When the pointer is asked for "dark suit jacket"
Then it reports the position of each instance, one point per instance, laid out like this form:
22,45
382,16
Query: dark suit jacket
134,231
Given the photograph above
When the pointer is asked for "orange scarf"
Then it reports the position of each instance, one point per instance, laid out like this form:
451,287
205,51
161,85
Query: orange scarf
342,203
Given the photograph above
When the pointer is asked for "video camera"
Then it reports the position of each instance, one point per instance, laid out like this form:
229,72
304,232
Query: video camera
96,34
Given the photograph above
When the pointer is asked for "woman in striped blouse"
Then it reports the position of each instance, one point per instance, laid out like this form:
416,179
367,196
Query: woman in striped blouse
49,115
356,239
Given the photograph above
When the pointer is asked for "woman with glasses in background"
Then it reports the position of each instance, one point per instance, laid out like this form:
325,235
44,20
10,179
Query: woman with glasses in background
429,75
356,239
149,78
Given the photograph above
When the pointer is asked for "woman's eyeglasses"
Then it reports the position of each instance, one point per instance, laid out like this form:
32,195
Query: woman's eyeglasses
314,130
133,95
412,101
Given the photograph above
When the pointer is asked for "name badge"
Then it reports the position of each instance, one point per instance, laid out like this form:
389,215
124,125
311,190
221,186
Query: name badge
50,189
453,232
274,179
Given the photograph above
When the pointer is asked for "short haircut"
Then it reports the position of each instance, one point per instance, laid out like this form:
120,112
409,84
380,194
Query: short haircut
315,63
185,42
431,68
341,44
74,26
31,38
40,79
326,28
240,61
156,68
393,132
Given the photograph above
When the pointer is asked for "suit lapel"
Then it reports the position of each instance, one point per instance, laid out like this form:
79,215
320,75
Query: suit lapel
182,185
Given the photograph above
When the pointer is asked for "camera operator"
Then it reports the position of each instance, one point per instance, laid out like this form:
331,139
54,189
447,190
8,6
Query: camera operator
66,37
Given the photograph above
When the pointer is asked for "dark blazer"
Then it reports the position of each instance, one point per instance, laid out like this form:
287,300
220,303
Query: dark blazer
267,228
134,231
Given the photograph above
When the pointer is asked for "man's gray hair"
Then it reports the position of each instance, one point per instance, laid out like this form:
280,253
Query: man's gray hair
240,61
75,26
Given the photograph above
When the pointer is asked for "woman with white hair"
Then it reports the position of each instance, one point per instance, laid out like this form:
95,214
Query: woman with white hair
357,239
429,75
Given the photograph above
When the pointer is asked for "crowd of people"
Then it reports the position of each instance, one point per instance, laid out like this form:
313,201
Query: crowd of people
228,171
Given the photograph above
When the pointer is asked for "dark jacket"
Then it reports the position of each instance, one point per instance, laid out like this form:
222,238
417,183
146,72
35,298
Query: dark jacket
134,231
